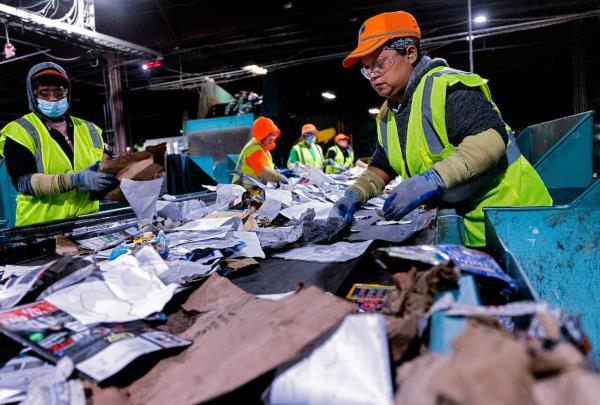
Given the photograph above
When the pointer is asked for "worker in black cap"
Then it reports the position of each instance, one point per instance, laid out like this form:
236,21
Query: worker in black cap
51,156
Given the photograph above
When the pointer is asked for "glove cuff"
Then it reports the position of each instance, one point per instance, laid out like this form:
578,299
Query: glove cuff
367,186
433,176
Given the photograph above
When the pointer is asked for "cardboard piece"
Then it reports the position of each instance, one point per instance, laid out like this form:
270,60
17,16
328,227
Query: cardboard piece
66,247
488,366
219,361
146,165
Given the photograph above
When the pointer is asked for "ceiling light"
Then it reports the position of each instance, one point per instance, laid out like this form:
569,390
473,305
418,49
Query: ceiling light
328,95
480,19
470,37
288,5
255,69
374,111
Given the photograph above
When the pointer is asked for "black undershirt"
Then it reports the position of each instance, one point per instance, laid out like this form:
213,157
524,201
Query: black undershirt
331,153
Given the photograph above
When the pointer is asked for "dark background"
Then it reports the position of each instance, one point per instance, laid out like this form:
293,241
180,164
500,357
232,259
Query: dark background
531,72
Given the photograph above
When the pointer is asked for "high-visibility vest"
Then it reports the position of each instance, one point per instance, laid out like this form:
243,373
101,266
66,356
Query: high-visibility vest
306,158
517,184
340,159
31,132
242,165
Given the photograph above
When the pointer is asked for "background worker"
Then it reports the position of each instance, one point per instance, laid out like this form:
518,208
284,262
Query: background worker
439,129
307,151
255,159
340,156
51,156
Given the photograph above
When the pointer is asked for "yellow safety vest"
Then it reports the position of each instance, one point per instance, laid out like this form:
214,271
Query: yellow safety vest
340,159
31,132
242,166
306,158
427,143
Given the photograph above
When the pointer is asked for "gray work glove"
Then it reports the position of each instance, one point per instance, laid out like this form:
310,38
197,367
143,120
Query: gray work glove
90,179
346,206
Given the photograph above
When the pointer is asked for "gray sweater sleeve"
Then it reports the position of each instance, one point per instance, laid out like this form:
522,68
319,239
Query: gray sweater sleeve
468,113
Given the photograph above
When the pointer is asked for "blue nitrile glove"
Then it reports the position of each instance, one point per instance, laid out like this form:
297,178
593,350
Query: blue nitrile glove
331,162
90,179
287,173
283,180
411,193
346,206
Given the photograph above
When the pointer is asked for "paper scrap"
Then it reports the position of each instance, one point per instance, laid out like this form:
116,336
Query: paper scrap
337,252
17,374
127,293
283,196
269,209
54,389
252,248
400,222
229,195
276,297
321,210
142,196
351,367
208,224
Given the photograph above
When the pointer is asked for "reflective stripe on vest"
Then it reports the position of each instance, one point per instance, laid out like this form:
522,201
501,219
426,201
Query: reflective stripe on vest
33,133
96,140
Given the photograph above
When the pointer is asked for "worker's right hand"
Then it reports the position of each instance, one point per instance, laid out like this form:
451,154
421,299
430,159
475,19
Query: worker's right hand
90,179
331,162
346,206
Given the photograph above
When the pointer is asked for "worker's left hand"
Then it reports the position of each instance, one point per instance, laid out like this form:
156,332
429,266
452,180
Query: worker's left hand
284,180
411,193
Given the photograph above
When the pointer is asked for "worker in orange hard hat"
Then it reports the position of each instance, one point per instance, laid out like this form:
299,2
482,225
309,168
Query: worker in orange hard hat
340,156
307,151
439,129
255,160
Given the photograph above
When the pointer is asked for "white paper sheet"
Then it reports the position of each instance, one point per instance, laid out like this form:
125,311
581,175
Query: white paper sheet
17,287
142,196
276,297
229,193
128,292
321,210
14,270
337,252
351,367
374,203
283,196
269,209
208,224
252,248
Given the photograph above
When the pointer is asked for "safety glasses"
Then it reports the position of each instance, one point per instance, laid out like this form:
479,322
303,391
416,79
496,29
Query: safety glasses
379,67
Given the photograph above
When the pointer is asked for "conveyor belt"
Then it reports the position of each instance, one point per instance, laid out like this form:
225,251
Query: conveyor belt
29,242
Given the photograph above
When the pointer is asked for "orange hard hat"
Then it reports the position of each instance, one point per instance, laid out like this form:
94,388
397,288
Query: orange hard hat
340,137
263,127
377,30
309,128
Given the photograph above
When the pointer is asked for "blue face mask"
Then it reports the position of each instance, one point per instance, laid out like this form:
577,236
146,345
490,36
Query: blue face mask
310,140
53,109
